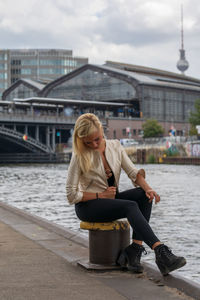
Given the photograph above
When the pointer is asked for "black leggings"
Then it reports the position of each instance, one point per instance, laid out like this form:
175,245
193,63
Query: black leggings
131,204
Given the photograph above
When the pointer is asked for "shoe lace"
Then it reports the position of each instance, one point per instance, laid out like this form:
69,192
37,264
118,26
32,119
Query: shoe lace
144,251
140,251
166,251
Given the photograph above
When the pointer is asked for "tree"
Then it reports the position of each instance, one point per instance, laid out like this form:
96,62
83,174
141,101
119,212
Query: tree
194,118
152,128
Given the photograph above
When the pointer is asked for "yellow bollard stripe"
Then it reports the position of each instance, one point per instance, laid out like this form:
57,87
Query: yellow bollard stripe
115,225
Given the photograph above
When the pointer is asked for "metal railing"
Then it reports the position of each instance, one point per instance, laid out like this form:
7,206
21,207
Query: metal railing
27,117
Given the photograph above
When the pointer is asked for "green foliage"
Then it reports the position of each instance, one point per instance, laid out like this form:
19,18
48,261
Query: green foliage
193,131
151,159
152,128
195,116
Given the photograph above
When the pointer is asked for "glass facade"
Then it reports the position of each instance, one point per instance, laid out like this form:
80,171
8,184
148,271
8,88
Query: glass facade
52,71
26,71
2,85
153,106
93,86
3,56
45,62
21,91
190,99
3,71
3,75
174,105
169,105
29,62
3,66
58,62
36,64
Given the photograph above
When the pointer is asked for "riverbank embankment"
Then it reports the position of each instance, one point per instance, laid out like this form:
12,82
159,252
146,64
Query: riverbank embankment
159,154
39,261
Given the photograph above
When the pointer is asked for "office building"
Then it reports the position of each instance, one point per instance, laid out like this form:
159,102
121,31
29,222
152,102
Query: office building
42,65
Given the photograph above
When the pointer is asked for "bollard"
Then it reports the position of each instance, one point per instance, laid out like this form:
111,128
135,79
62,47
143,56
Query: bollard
106,240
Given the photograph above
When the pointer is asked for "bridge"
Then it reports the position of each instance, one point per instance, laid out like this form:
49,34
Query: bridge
34,134
23,140
27,127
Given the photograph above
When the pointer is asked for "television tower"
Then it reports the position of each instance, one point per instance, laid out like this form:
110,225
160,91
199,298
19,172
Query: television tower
182,64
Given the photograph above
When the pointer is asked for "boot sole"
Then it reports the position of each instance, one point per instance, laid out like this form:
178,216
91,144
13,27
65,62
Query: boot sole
135,269
177,265
123,262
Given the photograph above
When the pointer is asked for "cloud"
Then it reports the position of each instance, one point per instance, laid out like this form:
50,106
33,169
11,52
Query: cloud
136,31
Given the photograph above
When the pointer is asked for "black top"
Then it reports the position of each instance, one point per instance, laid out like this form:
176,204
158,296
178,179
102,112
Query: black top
111,180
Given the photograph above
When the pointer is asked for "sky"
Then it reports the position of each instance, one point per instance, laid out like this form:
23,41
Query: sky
139,32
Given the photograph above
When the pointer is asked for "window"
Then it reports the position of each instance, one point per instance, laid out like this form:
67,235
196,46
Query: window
140,132
134,131
179,132
3,56
16,62
15,71
3,66
13,80
3,75
124,132
26,71
2,85
29,62
50,71
50,62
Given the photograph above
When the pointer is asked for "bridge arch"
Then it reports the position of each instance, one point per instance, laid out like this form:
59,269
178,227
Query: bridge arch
29,145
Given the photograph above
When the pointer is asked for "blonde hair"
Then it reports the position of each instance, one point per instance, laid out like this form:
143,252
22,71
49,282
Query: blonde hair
85,125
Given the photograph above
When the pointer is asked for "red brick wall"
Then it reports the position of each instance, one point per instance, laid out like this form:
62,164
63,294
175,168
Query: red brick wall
119,124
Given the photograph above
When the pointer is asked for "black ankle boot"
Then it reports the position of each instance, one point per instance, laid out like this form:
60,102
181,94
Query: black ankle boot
130,258
167,261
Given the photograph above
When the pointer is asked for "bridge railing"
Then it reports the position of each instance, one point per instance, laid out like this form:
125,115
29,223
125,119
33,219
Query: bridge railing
39,118
25,117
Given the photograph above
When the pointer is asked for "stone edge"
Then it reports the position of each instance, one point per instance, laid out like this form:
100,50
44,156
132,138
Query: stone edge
186,286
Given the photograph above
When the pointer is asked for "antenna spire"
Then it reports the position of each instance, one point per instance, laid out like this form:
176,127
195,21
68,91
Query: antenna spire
182,64
182,45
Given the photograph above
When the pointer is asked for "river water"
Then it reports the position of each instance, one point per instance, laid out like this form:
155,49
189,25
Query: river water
40,190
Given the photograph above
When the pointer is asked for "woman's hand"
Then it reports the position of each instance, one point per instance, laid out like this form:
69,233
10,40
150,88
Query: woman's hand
151,194
109,193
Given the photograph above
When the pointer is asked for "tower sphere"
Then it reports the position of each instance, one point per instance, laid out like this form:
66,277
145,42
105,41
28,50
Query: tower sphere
182,64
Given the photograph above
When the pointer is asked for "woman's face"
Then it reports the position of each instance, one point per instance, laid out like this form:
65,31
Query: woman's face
94,140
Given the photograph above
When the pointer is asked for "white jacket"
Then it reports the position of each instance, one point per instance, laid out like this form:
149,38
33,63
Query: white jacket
95,180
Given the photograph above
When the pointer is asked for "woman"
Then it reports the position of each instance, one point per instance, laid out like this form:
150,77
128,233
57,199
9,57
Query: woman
92,185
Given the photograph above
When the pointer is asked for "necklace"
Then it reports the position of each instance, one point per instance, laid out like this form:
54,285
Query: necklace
108,173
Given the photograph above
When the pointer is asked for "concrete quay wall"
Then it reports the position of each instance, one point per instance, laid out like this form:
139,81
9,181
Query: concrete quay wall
73,247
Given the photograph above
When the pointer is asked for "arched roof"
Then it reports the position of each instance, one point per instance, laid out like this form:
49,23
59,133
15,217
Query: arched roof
113,72
153,72
32,84
134,75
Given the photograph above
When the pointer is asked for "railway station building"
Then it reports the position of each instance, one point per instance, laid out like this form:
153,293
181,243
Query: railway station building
122,95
